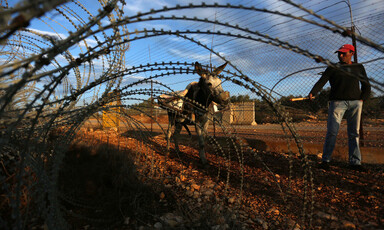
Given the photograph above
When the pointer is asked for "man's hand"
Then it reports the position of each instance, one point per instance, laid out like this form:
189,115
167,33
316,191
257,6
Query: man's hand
310,96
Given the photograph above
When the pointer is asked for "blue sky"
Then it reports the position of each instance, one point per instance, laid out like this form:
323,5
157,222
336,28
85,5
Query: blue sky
266,64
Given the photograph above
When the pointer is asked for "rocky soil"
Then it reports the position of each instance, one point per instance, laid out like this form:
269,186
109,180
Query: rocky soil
135,184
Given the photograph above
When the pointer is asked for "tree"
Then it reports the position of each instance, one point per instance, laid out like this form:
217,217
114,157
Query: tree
240,98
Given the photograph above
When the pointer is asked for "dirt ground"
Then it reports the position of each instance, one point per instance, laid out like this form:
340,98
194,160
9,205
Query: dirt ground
270,137
251,182
240,189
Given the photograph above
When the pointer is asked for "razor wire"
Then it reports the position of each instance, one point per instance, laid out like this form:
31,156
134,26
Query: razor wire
41,110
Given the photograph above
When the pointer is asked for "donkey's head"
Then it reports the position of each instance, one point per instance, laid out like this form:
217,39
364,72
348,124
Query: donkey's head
210,84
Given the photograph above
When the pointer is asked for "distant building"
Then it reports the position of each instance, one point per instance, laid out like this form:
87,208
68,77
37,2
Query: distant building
111,116
241,113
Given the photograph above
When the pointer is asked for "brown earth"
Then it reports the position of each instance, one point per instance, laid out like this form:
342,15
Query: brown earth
111,180
252,190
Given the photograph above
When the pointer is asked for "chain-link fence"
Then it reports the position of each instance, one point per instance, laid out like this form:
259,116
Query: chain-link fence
284,63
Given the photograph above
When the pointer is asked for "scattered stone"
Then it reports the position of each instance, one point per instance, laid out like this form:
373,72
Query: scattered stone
196,194
208,192
183,178
249,221
172,223
371,225
189,193
274,211
179,219
195,186
348,225
326,216
168,186
231,200
158,225
221,220
113,129
168,215
293,224
171,220
261,222
210,184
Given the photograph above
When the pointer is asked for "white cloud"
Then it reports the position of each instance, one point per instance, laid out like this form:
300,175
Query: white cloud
132,79
149,25
193,55
49,33
132,7
90,42
61,36
136,77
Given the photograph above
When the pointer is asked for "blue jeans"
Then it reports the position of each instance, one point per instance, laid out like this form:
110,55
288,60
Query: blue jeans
352,111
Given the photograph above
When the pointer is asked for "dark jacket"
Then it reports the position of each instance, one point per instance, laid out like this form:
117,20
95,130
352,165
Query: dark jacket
344,82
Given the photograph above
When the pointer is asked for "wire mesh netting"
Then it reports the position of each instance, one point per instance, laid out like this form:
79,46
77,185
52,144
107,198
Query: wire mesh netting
83,134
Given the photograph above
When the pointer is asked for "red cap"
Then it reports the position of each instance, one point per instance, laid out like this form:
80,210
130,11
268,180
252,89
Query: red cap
346,48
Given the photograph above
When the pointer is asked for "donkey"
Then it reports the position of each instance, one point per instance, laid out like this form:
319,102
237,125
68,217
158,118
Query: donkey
199,95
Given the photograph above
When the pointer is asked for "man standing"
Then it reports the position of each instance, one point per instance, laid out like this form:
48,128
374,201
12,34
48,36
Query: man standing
346,98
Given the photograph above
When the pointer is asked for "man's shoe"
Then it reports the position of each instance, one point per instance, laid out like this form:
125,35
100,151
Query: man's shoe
324,165
359,168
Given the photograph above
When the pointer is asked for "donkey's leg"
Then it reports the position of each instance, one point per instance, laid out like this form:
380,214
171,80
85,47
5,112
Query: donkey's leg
201,129
186,128
171,122
169,134
178,128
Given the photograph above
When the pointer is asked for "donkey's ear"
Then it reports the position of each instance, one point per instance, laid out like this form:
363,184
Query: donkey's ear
198,69
218,70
